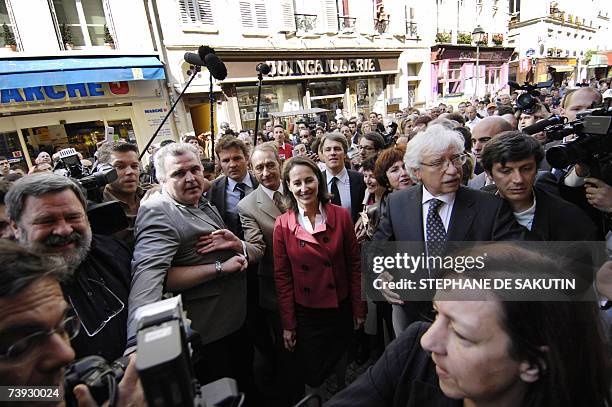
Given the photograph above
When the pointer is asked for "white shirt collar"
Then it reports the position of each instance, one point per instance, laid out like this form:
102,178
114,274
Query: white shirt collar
320,219
246,180
270,192
446,198
342,176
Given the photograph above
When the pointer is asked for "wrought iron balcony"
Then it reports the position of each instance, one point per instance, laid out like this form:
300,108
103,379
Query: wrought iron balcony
346,24
412,29
305,23
381,25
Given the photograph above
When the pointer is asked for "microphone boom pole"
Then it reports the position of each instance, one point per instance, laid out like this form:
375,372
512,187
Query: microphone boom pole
196,70
262,69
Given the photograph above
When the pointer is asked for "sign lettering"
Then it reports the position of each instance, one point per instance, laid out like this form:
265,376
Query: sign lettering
62,92
322,66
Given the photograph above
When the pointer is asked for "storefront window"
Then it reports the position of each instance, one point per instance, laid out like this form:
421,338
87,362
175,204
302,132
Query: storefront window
369,95
80,136
123,130
274,98
11,149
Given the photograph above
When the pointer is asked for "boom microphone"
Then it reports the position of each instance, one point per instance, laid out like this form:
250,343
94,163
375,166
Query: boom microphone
543,124
215,66
204,50
263,68
193,59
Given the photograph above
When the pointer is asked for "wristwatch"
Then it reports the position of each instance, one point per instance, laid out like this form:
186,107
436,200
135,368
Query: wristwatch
218,268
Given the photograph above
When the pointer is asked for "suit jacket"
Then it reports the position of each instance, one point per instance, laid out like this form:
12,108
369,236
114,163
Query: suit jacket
358,189
316,270
217,194
477,216
166,233
257,215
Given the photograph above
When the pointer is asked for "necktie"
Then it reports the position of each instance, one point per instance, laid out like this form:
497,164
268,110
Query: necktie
241,187
278,201
335,192
436,234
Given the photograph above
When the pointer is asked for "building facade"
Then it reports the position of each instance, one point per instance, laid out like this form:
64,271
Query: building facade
343,56
72,68
556,39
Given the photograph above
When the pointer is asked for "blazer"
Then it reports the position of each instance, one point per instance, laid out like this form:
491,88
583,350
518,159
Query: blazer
166,233
257,215
477,216
358,190
404,376
318,270
217,194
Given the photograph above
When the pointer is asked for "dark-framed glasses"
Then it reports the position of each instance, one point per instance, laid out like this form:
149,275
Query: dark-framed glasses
443,164
68,328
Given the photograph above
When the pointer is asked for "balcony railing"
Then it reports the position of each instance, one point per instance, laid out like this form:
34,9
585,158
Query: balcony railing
444,37
412,29
305,23
346,24
381,25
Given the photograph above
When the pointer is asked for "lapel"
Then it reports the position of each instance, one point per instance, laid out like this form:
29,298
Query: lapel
462,216
200,212
265,204
353,188
218,195
301,234
413,204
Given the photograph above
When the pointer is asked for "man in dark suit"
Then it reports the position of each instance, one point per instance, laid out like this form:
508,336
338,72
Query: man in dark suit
512,160
482,133
439,209
346,186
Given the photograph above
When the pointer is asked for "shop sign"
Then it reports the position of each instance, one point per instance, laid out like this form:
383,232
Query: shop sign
63,92
322,66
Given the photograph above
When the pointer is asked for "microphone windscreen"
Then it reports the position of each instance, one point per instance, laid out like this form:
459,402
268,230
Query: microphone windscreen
204,50
193,59
263,68
215,66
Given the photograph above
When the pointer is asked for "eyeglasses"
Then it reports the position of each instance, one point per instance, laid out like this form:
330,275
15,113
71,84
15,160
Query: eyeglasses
367,148
443,164
68,327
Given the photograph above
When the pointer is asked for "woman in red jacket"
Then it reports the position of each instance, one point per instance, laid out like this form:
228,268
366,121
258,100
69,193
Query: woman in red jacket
317,271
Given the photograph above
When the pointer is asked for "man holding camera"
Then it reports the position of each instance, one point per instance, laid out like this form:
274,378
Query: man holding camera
38,325
47,213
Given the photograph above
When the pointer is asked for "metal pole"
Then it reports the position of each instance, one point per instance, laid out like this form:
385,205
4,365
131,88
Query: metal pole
260,77
211,99
196,70
477,69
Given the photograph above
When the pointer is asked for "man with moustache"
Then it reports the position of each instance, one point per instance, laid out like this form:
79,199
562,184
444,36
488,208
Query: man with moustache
47,214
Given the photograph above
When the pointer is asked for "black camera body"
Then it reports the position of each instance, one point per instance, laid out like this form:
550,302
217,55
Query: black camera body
592,146
100,377
527,102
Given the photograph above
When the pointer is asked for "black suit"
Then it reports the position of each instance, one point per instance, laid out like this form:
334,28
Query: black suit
358,189
217,196
477,216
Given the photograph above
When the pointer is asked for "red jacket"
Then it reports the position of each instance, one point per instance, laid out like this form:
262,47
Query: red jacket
318,270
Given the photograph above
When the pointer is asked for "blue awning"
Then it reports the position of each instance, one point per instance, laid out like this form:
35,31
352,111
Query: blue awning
27,73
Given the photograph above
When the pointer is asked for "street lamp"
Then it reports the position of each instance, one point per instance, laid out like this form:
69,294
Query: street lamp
477,36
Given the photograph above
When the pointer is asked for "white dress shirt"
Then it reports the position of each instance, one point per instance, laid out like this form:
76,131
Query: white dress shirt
305,222
270,193
233,194
445,210
344,186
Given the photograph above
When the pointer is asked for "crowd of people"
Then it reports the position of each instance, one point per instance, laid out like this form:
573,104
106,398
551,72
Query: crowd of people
261,233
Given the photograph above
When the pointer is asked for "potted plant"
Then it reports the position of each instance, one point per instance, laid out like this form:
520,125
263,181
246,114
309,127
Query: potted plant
9,38
464,38
108,38
443,37
498,39
66,32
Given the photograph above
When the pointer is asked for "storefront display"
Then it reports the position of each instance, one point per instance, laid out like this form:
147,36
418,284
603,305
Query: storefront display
276,98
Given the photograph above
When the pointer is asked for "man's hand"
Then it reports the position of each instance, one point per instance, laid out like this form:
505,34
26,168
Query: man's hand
599,194
234,264
391,296
289,339
221,239
358,322
130,389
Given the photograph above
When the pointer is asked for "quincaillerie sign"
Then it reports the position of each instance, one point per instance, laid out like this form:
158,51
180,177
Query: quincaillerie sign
322,66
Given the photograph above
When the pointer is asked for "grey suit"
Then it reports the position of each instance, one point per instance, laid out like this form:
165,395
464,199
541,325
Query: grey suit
166,233
258,214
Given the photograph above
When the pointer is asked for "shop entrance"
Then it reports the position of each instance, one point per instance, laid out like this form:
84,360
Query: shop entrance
327,95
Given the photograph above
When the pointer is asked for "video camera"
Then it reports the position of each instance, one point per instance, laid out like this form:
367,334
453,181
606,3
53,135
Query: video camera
163,362
69,165
527,102
592,146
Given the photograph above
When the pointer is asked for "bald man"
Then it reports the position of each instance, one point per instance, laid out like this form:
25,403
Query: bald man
482,133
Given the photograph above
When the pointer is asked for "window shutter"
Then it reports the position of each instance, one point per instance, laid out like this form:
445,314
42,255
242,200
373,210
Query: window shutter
396,11
205,12
246,14
329,16
287,16
188,12
261,15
